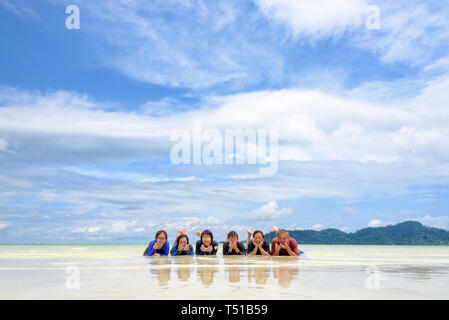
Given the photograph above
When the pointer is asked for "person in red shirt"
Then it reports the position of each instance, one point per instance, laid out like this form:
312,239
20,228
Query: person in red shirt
283,245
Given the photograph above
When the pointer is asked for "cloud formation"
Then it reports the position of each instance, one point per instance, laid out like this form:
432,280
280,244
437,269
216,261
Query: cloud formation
193,44
361,114
327,143
270,211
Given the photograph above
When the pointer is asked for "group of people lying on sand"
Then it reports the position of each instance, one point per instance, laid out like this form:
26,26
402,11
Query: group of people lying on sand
281,245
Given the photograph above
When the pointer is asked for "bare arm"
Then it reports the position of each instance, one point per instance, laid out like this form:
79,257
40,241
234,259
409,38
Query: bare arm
277,248
262,251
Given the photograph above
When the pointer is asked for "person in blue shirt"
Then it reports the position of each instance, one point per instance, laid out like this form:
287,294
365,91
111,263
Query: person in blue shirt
181,247
159,246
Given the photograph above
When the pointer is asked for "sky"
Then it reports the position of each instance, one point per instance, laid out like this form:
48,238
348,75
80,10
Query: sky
357,91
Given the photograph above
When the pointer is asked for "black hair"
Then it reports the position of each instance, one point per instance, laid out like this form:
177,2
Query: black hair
182,235
258,231
207,232
159,232
232,233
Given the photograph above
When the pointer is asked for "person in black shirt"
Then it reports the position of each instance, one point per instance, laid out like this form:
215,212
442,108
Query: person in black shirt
206,245
258,245
232,246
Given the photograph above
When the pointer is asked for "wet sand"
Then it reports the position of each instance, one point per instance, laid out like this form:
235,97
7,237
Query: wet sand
323,272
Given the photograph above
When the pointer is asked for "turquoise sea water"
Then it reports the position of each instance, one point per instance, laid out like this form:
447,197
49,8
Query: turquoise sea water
323,272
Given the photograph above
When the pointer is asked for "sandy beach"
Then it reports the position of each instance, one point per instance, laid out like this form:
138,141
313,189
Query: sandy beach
323,272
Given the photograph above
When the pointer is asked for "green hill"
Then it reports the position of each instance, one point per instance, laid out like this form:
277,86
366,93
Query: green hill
405,233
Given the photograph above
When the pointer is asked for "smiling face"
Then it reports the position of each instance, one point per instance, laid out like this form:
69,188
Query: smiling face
283,238
182,242
206,240
258,238
160,239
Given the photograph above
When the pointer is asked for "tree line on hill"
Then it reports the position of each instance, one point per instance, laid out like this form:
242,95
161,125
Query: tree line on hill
405,233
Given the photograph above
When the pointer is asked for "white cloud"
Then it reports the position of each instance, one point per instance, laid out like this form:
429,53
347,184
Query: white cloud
292,226
331,141
410,31
18,8
314,127
160,108
213,221
3,144
270,211
93,229
316,19
3,225
441,222
121,226
350,211
317,226
193,44
377,223
79,229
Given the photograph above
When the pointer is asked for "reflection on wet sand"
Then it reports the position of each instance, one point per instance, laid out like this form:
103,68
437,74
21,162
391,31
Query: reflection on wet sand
258,274
324,272
207,267
184,267
284,271
233,268
258,269
161,274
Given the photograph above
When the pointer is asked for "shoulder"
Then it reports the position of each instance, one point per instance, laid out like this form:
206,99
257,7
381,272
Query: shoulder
293,241
275,240
198,242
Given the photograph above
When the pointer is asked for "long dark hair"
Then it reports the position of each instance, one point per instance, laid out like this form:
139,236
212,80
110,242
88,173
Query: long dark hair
158,233
182,235
207,232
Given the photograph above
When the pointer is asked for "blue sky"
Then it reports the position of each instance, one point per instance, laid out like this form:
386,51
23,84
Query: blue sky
86,116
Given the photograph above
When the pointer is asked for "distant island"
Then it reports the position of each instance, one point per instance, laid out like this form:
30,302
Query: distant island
405,233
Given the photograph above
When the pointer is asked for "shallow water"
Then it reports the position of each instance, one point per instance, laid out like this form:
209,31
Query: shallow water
323,272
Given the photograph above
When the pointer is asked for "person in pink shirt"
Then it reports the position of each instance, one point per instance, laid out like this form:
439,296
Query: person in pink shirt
283,245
